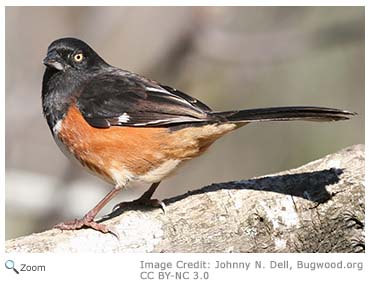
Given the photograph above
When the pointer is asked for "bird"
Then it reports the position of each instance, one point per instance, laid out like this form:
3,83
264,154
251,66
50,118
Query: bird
124,128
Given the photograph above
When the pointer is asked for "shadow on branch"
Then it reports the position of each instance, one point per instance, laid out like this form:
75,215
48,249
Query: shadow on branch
310,186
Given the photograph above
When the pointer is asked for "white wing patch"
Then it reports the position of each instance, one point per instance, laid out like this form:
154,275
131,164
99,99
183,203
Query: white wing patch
157,90
124,118
171,95
170,120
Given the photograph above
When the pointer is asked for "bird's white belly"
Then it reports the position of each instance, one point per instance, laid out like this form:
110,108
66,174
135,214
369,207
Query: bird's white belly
159,173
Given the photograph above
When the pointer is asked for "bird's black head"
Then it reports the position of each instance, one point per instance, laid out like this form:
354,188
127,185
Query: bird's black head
71,54
69,63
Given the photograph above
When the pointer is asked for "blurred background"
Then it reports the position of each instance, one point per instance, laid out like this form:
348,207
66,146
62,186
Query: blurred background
229,57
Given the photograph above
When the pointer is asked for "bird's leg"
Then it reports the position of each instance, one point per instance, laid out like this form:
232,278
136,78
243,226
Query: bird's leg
145,200
88,219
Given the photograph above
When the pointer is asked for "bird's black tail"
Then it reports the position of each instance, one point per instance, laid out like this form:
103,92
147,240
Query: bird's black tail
290,113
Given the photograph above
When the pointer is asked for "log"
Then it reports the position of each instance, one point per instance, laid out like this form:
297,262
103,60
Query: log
318,207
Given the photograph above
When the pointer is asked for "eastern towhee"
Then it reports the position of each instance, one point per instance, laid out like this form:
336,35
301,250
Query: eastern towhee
123,127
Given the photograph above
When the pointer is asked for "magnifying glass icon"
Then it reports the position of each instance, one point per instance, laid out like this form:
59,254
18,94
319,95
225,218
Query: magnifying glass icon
10,265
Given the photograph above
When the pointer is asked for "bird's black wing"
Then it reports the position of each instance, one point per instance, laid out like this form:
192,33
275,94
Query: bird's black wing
125,99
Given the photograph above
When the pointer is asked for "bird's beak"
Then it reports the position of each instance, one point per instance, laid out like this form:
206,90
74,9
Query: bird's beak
53,60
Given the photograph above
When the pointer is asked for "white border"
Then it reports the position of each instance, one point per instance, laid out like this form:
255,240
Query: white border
185,3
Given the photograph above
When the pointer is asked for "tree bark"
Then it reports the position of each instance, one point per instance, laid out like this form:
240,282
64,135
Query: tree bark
318,207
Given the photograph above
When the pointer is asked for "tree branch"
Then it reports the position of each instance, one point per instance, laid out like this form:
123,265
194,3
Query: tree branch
318,207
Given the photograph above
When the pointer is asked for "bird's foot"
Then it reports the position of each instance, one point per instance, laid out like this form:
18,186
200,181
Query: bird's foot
85,222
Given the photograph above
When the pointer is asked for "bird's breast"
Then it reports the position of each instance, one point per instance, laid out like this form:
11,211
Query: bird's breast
123,154
117,154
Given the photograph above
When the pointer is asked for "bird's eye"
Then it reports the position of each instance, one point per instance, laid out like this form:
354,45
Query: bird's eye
78,57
